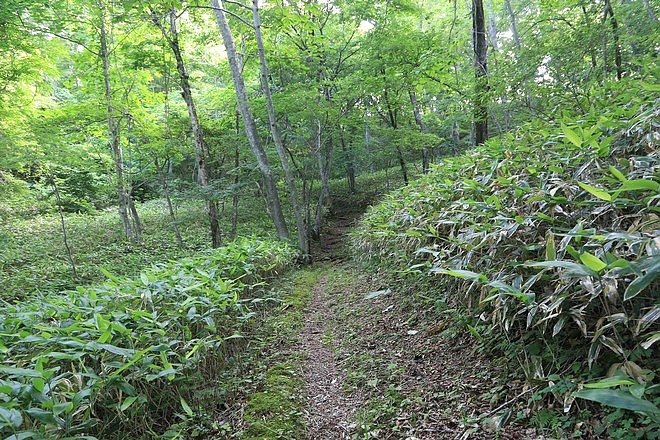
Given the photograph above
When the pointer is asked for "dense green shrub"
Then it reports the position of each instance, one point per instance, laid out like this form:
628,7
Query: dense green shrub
122,358
548,235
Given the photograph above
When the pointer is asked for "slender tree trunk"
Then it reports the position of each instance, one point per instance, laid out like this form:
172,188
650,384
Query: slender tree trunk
350,164
367,147
618,59
170,206
113,132
303,241
201,152
481,72
492,25
426,154
649,10
250,125
237,178
455,136
166,170
324,193
65,237
392,114
134,217
514,25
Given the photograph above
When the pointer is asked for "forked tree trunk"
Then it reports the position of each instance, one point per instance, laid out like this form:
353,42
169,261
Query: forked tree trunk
481,73
124,196
303,240
270,186
201,152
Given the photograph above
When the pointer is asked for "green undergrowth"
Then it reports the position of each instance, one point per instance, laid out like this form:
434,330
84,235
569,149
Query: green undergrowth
130,357
33,257
274,405
546,241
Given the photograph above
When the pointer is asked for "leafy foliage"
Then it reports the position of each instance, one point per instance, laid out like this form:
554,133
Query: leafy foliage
126,355
547,235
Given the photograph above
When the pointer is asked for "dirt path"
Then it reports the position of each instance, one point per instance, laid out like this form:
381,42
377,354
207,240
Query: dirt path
329,412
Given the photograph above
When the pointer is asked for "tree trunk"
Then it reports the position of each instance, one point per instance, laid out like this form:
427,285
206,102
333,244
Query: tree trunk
350,165
250,125
514,25
65,237
170,206
367,147
649,10
455,136
237,177
303,241
392,114
618,61
492,25
113,133
426,154
324,193
481,73
201,152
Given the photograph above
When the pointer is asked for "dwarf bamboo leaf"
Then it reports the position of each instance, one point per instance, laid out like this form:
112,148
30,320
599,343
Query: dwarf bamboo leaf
571,267
640,185
642,282
601,194
572,136
619,399
593,262
618,174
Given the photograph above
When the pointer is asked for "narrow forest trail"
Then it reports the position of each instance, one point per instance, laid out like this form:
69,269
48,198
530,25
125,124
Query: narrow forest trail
389,366
330,412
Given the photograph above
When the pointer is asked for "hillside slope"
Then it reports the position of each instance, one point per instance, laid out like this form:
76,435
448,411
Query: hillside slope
547,242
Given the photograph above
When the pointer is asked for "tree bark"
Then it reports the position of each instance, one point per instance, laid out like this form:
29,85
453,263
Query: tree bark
113,132
492,25
350,164
201,152
481,72
303,235
649,10
170,206
392,114
618,59
426,154
367,147
237,178
514,25
250,125
65,236
324,193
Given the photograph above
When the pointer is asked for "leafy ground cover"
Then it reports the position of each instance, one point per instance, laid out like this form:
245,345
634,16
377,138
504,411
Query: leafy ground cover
123,358
33,257
546,238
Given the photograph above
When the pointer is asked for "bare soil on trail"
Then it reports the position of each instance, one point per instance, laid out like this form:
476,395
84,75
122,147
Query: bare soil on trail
329,412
